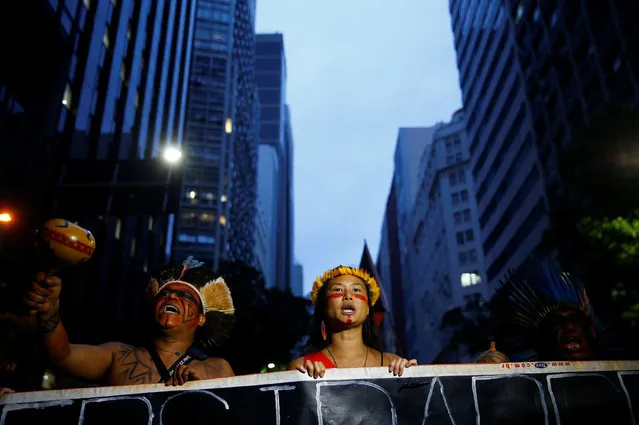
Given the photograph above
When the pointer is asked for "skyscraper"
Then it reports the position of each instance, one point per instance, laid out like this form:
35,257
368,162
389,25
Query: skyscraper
217,211
276,156
532,74
84,117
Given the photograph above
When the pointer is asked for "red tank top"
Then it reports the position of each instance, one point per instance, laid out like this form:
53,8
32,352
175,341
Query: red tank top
320,357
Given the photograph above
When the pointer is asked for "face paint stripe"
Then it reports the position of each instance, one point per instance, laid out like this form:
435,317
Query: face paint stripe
337,295
360,297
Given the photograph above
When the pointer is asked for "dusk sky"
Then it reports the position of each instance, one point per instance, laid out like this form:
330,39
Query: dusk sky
357,71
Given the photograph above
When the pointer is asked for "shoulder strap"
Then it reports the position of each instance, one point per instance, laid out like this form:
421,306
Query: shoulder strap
165,373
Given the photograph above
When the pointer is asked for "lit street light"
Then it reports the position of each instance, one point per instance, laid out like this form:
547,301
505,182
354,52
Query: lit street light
172,154
5,217
271,365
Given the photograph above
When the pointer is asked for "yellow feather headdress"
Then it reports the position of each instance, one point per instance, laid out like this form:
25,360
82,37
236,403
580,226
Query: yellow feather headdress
214,294
346,270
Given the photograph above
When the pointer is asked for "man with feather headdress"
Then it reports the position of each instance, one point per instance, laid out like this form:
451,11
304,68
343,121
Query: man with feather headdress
545,314
192,312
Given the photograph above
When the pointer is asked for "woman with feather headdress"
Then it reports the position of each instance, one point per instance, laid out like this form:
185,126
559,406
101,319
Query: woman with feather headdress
192,310
343,330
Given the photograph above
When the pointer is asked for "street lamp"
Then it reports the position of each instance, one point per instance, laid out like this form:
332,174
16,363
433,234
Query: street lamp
271,365
5,217
172,154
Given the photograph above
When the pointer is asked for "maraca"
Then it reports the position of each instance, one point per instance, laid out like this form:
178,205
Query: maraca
62,243
492,355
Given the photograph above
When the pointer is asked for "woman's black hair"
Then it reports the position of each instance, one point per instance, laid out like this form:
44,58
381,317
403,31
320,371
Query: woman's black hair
317,343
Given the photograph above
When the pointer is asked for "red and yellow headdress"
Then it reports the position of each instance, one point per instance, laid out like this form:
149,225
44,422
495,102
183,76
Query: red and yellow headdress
350,271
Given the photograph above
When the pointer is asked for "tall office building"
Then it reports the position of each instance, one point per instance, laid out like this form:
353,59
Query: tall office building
446,257
217,211
90,92
532,74
275,170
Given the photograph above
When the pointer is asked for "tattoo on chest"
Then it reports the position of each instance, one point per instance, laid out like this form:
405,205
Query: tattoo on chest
133,368
49,321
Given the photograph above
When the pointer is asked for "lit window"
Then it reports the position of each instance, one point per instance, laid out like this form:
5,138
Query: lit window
87,4
228,126
207,218
223,198
223,220
150,224
128,32
118,229
470,279
192,194
66,98
520,13
105,38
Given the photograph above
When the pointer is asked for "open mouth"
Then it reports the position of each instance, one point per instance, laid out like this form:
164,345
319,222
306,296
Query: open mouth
348,310
572,344
170,309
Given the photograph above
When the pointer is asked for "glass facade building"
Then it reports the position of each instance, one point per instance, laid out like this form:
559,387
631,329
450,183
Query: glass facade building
276,161
532,74
104,91
217,211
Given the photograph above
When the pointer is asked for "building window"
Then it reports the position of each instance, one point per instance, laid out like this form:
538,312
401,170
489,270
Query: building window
464,195
118,229
458,217
449,146
123,72
206,240
455,198
66,97
457,144
228,126
105,38
470,279
188,219
462,258
452,178
470,236
186,237
466,216
458,156
461,176
449,160
460,238
223,220
472,256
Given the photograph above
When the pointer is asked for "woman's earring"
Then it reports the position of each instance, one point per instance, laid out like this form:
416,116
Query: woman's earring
323,329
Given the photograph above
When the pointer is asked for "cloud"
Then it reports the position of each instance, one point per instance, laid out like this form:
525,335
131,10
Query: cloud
357,71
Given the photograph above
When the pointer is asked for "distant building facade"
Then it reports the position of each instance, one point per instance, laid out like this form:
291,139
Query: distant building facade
275,162
447,268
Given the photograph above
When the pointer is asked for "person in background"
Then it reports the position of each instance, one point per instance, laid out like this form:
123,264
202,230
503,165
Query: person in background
192,311
342,329
21,368
545,315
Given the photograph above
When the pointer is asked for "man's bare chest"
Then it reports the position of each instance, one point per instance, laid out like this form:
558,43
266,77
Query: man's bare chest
134,366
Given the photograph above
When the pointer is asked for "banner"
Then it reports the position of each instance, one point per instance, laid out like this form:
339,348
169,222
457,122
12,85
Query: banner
541,393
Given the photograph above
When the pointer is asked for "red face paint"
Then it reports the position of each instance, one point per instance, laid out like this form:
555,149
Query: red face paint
336,295
361,297
349,320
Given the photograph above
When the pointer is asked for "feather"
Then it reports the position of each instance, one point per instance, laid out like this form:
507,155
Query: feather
218,296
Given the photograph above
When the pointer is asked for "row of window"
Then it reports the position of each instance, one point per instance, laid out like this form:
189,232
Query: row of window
467,257
458,176
462,215
466,236
457,196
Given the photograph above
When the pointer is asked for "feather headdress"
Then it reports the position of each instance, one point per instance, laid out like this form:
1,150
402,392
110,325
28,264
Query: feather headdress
527,297
214,294
346,270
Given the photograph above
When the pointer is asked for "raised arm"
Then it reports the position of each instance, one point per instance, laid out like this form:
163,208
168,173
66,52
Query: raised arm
90,362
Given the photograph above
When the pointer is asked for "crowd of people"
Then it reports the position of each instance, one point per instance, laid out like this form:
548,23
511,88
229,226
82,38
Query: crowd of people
547,316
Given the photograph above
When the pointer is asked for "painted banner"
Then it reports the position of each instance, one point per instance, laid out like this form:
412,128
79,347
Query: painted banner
541,393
